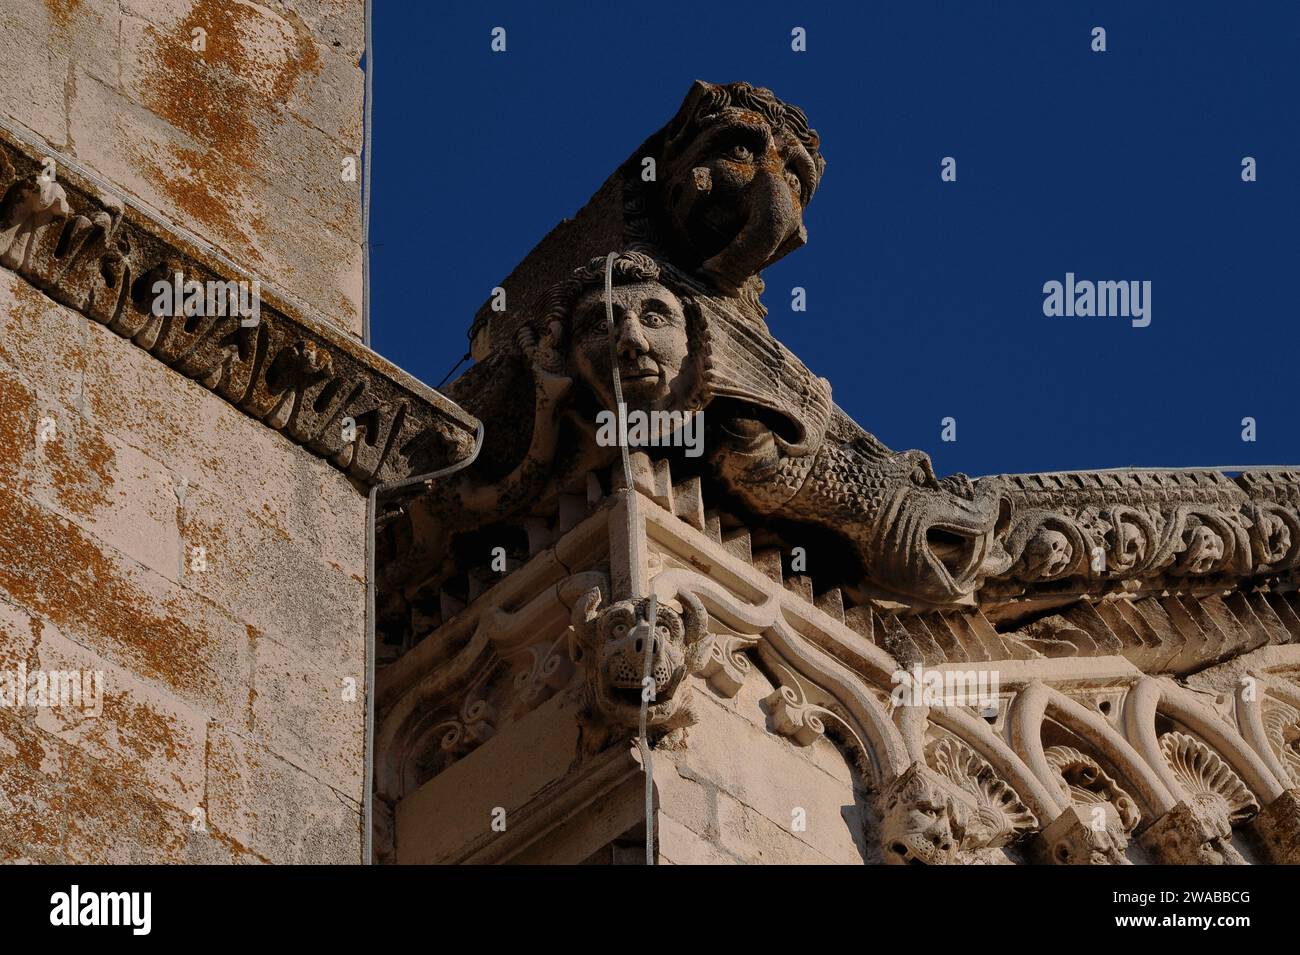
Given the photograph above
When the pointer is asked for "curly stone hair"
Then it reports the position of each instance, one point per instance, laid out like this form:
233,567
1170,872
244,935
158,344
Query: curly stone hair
629,268
706,100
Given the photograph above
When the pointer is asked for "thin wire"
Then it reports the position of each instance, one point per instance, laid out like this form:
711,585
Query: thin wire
463,358
643,744
613,365
652,610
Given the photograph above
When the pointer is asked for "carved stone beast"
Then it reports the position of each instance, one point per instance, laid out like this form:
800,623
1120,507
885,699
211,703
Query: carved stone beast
612,646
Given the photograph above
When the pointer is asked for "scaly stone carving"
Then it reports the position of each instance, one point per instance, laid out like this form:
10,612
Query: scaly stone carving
736,167
611,646
774,437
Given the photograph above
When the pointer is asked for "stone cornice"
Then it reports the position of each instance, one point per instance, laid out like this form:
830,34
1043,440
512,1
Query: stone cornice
314,384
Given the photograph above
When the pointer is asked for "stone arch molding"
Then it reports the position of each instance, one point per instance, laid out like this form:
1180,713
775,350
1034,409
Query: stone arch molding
948,787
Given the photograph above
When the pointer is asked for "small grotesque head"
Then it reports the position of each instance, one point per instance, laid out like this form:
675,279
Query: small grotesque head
651,333
938,540
1047,555
617,644
1126,542
738,168
1095,829
1204,550
922,821
1271,534
1199,830
1087,835
1214,829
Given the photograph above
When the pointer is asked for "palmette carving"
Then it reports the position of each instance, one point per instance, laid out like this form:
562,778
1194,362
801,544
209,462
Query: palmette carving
954,811
1282,730
1209,781
1200,829
999,817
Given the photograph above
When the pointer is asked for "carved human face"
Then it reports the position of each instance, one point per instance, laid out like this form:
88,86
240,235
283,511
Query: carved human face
650,342
1204,550
1086,843
1047,555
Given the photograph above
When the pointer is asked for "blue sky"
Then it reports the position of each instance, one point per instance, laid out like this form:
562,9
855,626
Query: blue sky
925,298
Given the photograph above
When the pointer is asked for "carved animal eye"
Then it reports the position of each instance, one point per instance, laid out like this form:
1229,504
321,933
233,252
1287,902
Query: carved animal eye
919,475
620,629
739,153
793,179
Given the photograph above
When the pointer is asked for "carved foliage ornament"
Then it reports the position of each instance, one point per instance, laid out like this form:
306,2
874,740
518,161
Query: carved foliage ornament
1108,815
1217,799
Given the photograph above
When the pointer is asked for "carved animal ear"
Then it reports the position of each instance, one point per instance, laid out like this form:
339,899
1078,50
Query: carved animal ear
582,628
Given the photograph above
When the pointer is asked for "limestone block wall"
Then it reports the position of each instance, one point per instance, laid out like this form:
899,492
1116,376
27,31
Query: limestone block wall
241,142
739,794
213,573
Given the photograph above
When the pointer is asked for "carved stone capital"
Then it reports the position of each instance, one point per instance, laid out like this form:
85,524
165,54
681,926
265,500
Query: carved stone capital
1191,835
1278,827
1075,838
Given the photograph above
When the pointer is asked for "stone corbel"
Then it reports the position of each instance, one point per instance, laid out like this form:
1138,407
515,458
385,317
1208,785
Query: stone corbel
315,384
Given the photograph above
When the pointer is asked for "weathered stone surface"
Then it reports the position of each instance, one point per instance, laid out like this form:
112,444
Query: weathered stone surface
99,572
266,806
309,716
240,142
136,731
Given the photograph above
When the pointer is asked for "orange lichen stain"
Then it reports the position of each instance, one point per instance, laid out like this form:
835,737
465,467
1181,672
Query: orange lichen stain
105,812
214,97
61,12
26,312
56,570
81,469
18,423
142,732
253,634
236,847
